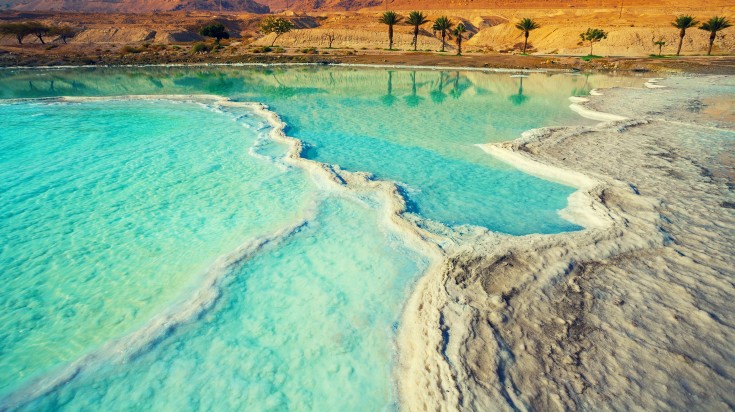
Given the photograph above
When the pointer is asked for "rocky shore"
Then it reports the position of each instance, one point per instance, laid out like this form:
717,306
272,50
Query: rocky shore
634,312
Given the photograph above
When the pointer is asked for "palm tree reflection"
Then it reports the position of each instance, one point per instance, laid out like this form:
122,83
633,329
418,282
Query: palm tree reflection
413,100
519,98
388,99
438,96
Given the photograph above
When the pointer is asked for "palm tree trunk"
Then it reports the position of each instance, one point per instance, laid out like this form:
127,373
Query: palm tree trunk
711,42
591,44
415,37
681,40
525,43
459,45
444,36
390,37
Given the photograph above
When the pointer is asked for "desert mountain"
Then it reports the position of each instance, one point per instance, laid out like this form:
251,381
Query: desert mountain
351,5
264,6
133,6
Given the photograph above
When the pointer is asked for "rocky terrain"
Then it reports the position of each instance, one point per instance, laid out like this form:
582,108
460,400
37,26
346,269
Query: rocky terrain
133,6
632,29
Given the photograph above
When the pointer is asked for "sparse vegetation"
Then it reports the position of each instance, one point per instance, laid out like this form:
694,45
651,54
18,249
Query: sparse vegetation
131,50
590,57
64,32
416,19
216,31
330,39
458,32
38,29
19,30
683,23
201,48
277,25
660,43
442,25
593,36
526,25
390,18
714,25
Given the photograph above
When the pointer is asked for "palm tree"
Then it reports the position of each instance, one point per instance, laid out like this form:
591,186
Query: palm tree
660,43
442,24
526,25
416,19
458,34
714,25
682,23
390,18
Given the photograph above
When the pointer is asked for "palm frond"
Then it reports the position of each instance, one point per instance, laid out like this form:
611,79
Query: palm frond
390,18
527,24
684,22
416,18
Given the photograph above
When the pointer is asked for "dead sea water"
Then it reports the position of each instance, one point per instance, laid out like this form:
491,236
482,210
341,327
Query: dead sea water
115,210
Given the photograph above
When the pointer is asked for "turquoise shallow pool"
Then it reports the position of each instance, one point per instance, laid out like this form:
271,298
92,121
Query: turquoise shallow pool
115,210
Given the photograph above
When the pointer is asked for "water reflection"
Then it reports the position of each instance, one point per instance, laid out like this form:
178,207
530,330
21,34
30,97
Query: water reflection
459,87
437,95
349,117
518,98
413,87
389,99
413,99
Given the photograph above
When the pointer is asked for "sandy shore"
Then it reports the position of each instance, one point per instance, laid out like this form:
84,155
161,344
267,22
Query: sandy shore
83,55
636,311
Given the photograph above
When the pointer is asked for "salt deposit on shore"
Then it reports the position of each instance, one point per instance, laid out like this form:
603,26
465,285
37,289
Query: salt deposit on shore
635,312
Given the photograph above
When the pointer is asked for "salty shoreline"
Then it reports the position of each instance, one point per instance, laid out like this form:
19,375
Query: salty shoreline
205,294
510,322
633,312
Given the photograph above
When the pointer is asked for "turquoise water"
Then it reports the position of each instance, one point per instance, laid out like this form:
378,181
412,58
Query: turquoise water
115,211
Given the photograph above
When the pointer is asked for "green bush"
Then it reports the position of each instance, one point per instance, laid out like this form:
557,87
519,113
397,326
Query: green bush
264,49
201,48
590,57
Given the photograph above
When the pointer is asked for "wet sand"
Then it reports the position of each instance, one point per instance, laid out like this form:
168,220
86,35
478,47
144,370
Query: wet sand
636,311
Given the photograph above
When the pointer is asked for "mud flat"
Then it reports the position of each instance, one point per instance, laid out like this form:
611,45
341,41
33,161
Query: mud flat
635,311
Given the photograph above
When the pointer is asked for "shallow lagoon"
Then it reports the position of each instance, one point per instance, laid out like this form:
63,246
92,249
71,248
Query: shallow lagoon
115,209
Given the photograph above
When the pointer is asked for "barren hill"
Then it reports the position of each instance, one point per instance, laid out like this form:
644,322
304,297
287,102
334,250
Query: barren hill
352,5
133,6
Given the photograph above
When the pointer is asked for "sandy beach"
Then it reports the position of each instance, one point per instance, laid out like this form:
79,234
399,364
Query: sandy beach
635,312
